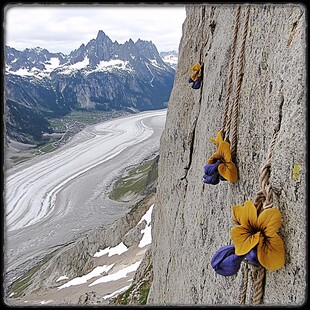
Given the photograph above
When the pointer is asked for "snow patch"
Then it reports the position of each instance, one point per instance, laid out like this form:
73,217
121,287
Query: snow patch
121,290
83,279
52,64
117,275
119,249
77,66
112,65
44,302
155,63
80,65
170,59
147,231
147,216
22,72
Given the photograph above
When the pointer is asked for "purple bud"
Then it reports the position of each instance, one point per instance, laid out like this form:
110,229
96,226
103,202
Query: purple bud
252,257
211,179
196,84
211,175
210,169
225,262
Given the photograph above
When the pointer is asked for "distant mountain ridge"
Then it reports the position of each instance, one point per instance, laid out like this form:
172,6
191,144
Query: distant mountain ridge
101,75
170,58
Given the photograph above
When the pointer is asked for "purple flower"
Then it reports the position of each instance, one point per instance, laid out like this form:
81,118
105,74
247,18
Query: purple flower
211,174
211,169
225,262
213,179
252,257
196,84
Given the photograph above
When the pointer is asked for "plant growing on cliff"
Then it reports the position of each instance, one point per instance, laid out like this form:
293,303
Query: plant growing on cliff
220,165
196,76
259,231
255,239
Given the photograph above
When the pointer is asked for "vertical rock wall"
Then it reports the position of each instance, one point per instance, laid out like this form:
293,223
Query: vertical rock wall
192,220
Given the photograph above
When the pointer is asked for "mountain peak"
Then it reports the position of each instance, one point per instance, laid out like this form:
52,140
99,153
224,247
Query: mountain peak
100,75
101,34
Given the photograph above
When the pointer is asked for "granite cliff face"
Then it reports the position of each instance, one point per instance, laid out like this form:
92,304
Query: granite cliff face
193,220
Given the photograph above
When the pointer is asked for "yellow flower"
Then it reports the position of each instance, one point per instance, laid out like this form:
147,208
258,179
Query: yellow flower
218,138
226,168
196,67
260,231
197,72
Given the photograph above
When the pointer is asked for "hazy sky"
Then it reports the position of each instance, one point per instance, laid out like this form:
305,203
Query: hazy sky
63,28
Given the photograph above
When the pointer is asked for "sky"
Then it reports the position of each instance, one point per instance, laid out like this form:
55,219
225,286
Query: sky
63,28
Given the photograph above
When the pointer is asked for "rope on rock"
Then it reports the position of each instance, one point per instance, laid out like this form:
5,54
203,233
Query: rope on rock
258,283
263,201
227,259
231,110
264,195
230,75
221,165
257,276
239,83
244,287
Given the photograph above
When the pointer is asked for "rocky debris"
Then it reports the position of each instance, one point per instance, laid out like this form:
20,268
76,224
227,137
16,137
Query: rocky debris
91,298
77,259
133,236
138,292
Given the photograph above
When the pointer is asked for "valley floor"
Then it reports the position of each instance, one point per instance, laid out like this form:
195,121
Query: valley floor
30,243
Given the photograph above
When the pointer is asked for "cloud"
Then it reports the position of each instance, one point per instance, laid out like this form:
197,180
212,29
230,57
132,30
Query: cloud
64,28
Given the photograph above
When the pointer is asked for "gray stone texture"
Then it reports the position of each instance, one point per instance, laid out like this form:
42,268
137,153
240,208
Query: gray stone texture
192,220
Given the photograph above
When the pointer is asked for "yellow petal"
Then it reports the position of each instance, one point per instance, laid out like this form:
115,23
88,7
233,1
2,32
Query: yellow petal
224,151
269,221
237,211
195,76
214,158
213,140
270,252
228,171
218,138
248,216
244,241
196,67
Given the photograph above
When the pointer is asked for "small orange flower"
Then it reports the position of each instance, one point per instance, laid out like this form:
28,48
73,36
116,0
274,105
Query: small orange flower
258,230
196,72
218,138
226,168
